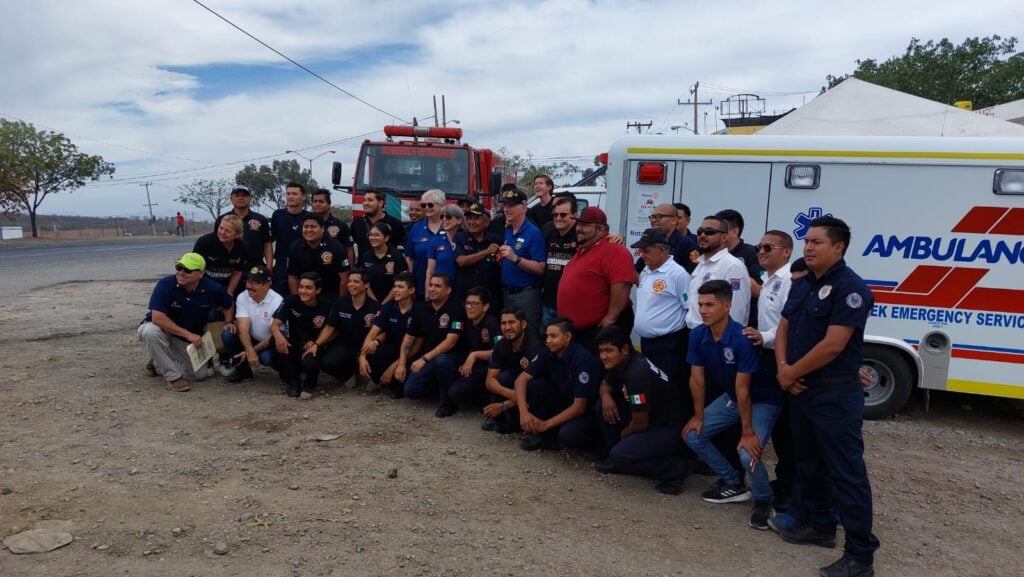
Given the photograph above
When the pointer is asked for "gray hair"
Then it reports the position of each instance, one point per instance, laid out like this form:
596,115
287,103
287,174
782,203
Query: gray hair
454,210
434,195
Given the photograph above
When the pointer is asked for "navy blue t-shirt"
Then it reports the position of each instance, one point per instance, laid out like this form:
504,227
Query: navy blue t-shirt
528,243
724,359
577,373
188,310
394,322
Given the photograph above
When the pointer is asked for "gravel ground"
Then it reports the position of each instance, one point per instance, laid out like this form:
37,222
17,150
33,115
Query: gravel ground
230,480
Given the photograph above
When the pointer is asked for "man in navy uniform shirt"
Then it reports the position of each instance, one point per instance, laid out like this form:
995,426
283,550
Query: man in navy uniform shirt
480,334
721,354
818,353
320,202
640,414
476,253
554,394
318,253
178,310
431,350
255,228
378,357
515,351
286,229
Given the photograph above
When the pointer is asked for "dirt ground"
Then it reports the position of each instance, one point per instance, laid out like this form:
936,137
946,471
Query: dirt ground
150,482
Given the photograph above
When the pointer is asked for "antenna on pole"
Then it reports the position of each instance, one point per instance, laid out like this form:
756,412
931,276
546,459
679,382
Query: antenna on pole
149,204
695,102
639,126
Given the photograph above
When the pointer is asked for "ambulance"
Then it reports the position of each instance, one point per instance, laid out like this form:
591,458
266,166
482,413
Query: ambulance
937,233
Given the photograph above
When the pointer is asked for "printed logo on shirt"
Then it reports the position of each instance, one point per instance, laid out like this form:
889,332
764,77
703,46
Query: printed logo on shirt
519,243
368,320
524,362
442,321
389,268
777,286
318,321
456,326
327,257
707,277
640,399
824,292
694,257
333,230
254,224
729,355
735,284
654,368
584,377
485,335
658,286
854,301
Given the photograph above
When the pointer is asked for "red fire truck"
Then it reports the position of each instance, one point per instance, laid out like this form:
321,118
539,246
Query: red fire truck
414,159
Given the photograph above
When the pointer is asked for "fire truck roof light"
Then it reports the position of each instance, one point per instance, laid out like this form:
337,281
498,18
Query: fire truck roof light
423,131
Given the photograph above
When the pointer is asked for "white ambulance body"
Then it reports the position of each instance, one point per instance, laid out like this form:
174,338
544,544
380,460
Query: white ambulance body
938,234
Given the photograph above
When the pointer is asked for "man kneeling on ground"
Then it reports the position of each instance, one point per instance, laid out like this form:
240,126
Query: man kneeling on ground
254,313
178,310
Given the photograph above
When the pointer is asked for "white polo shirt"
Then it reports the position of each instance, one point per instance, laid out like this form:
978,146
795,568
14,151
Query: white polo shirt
260,315
721,266
774,292
661,300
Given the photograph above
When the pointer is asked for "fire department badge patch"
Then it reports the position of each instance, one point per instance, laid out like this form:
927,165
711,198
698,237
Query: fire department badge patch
658,286
854,300
327,257
318,321
333,230
824,292
368,320
389,268
254,224
443,321
729,355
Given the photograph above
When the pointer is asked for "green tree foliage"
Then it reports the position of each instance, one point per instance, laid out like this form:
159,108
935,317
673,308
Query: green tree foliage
35,164
267,182
987,71
524,169
213,196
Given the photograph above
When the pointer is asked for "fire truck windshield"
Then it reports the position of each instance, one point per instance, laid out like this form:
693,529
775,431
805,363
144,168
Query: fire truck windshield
410,170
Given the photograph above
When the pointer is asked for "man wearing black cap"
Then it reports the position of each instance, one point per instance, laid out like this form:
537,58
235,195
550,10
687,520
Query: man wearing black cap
523,256
682,248
255,228
254,313
476,254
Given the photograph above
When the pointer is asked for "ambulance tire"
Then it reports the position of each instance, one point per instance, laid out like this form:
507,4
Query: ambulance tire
892,383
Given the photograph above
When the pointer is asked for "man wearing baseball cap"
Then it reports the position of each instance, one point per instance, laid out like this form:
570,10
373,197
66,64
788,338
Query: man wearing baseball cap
476,254
251,345
179,308
255,228
523,255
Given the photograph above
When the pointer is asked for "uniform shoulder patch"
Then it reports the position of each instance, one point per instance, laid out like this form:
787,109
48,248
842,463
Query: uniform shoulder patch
584,377
854,300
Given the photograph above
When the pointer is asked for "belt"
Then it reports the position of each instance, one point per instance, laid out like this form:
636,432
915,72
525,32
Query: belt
674,335
511,290
830,380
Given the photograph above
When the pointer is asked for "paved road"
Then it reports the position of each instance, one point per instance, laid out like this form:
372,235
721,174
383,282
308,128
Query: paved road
28,264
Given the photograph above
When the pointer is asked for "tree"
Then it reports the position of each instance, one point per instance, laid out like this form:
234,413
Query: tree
267,182
985,71
213,196
524,169
35,164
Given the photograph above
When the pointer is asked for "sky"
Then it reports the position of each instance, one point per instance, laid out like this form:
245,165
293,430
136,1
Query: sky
170,93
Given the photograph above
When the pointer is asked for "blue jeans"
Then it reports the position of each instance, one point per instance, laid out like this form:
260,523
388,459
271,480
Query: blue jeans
547,314
720,415
442,369
233,346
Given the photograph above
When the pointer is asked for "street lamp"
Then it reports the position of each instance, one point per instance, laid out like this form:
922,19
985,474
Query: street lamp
297,153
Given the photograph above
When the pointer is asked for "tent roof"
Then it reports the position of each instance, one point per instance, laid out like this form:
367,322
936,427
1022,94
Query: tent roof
855,107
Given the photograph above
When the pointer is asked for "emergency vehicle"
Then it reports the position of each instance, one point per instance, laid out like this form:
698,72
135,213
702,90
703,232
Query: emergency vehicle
415,159
937,232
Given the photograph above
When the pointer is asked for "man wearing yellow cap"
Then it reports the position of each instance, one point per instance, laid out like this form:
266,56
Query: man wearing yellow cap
181,304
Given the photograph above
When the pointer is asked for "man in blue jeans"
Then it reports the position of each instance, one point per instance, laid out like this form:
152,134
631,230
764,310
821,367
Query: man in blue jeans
719,353
432,348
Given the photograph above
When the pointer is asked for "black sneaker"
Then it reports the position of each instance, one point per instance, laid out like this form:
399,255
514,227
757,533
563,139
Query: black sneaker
760,515
847,568
444,411
395,391
294,391
534,443
604,466
240,374
726,494
505,426
669,487
807,535
487,424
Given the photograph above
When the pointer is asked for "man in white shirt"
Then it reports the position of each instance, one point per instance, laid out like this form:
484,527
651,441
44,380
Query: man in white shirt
254,313
716,263
661,307
773,255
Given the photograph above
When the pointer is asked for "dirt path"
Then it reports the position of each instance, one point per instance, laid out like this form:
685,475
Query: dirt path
149,482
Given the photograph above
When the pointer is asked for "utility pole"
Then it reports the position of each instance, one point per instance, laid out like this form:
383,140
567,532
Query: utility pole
639,126
149,204
695,102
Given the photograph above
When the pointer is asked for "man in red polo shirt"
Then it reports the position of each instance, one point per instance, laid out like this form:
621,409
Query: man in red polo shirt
594,291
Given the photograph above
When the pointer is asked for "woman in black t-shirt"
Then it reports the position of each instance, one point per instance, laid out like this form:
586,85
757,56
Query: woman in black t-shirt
382,262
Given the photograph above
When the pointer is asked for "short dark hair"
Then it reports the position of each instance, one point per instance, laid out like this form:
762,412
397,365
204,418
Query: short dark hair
517,312
682,207
362,272
787,241
721,289
614,336
313,276
799,265
563,324
323,192
297,185
407,278
310,216
835,229
382,226
481,292
720,220
445,279
733,217
380,196
566,197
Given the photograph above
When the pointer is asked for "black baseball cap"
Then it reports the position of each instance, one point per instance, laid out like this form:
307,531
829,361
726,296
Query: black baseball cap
258,273
242,189
649,237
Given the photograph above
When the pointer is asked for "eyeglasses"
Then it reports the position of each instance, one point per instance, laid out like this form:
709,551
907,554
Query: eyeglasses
447,216
561,215
656,217
427,204
709,231
473,304
182,268
766,247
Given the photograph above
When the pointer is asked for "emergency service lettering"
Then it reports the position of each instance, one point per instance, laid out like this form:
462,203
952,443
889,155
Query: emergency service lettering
410,151
940,317
957,249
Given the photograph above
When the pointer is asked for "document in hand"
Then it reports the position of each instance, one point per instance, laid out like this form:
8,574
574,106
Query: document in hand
202,355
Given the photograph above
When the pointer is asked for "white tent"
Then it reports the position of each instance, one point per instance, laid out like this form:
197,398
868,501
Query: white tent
859,108
1011,111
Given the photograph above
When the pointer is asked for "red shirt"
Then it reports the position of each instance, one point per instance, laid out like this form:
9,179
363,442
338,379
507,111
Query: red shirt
584,292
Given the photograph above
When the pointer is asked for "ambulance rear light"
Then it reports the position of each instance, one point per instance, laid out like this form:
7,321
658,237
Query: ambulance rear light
1008,181
423,131
651,173
803,175
603,158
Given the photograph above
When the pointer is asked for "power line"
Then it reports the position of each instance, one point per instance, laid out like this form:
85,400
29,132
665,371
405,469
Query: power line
282,55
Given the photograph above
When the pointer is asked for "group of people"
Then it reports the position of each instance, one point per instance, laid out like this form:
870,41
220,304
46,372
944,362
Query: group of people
528,317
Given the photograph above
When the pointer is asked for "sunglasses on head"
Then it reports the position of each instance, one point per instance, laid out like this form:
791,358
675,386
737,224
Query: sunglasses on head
766,247
182,268
709,231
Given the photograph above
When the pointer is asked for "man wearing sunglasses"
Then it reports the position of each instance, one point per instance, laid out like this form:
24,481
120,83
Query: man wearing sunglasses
682,248
178,309
716,263
561,241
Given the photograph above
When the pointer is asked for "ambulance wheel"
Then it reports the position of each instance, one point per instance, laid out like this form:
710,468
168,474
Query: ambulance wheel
891,382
